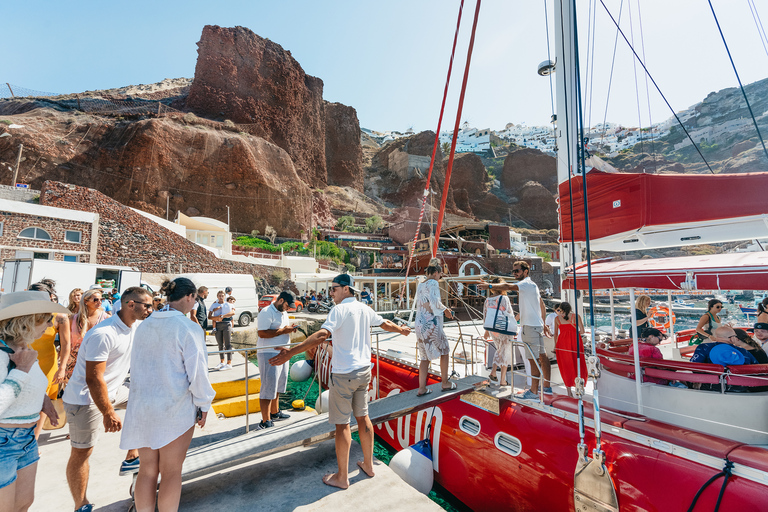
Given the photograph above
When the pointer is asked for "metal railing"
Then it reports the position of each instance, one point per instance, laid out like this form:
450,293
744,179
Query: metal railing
246,350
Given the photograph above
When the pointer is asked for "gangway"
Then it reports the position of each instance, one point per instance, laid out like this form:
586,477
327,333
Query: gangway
231,452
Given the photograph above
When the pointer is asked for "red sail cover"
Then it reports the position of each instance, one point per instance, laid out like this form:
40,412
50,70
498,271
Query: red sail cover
732,271
635,211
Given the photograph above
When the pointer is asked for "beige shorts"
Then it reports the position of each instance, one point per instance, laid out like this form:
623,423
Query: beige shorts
534,338
348,396
85,421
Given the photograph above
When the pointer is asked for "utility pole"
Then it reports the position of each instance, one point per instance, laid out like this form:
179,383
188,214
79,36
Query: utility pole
9,88
18,163
167,205
227,218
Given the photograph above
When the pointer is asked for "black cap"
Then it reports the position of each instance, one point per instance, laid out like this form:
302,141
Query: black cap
761,325
288,297
345,280
650,331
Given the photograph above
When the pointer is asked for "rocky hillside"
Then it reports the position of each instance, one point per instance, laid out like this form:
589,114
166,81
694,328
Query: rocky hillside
722,128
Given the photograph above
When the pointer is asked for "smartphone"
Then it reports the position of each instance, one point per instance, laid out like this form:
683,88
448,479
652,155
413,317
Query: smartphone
199,414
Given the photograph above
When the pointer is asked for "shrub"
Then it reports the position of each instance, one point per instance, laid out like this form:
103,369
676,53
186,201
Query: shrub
373,223
345,222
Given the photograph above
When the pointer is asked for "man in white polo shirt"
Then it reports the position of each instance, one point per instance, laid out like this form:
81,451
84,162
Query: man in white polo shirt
96,387
533,328
273,329
349,322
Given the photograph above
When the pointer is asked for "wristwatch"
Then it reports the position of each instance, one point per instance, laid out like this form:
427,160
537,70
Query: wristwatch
490,286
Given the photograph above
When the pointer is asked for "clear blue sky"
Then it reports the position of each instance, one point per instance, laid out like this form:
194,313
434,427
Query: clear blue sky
388,59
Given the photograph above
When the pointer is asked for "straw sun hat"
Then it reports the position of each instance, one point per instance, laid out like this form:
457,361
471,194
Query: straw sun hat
27,303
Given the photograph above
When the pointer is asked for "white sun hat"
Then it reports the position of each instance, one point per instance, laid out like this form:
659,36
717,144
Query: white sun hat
28,303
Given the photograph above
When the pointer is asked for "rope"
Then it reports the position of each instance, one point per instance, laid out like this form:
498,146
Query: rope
759,25
434,146
726,472
456,130
647,89
648,73
741,86
610,76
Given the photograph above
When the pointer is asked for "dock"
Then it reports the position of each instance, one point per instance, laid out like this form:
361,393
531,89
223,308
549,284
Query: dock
276,469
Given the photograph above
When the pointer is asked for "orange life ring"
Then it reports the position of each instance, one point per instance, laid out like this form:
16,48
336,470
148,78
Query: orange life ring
667,317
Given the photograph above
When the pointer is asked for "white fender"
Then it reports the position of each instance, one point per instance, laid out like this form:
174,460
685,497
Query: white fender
300,371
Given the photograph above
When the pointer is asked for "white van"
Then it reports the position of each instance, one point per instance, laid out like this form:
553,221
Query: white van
243,289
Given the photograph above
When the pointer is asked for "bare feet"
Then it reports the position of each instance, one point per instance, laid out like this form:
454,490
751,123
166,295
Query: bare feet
368,471
333,480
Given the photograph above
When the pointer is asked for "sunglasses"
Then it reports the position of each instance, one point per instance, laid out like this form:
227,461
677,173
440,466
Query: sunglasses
146,305
156,299
333,288
94,299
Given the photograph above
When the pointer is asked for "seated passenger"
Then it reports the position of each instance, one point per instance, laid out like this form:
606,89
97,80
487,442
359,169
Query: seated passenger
731,353
761,334
647,349
752,346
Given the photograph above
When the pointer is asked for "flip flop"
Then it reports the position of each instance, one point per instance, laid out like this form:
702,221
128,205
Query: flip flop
428,391
453,386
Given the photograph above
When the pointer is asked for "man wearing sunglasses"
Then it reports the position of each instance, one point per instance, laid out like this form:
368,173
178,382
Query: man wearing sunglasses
97,386
533,325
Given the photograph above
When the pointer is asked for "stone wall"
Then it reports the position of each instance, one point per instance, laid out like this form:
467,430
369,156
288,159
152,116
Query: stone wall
13,223
130,239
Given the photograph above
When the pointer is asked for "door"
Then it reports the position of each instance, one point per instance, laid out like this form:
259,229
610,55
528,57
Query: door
128,279
16,276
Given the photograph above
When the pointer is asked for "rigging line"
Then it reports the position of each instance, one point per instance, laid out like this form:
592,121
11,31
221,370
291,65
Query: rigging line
743,92
551,87
610,76
634,70
456,127
591,70
647,89
698,150
427,189
589,35
758,24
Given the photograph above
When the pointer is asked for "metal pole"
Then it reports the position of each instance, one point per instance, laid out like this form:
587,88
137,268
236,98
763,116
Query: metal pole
227,217
638,376
167,204
247,398
671,325
613,318
378,378
18,163
9,88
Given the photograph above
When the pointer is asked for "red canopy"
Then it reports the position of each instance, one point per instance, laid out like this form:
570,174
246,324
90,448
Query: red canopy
735,271
630,211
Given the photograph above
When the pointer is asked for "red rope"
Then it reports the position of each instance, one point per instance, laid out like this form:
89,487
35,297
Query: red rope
455,133
437,141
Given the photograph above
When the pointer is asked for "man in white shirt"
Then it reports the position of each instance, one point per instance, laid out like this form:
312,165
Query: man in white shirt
221,313
533,328
96,387
349,322
273,329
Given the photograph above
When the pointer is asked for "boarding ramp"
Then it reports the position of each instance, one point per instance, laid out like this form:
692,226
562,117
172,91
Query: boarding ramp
231,452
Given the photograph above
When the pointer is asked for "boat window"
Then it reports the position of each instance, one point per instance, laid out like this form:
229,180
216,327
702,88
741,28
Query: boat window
508,444
469,425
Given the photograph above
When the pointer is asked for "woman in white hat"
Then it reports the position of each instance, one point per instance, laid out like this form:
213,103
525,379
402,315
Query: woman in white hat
24,316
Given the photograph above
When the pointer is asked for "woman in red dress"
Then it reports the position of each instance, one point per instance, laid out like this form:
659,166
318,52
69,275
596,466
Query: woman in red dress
568,331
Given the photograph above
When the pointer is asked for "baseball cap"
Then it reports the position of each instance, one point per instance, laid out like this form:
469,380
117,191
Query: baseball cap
345,280
725,355
288,297
761,325
650,331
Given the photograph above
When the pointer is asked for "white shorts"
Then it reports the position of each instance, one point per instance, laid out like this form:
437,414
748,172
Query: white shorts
274,379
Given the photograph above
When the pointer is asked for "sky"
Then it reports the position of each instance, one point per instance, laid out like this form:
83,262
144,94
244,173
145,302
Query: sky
389,59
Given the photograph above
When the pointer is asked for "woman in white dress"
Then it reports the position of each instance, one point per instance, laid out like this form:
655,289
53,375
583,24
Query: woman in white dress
170,392
431,340
496,308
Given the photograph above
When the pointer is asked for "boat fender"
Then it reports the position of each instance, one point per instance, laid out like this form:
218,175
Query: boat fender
414,466
298,405
300,371
321,404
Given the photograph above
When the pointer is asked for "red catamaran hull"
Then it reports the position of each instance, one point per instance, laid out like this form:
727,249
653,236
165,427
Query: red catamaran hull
646,476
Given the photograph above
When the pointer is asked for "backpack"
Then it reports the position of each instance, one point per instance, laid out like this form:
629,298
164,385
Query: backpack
501,321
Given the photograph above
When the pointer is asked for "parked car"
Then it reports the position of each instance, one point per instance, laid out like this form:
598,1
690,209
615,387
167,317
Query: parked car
266,300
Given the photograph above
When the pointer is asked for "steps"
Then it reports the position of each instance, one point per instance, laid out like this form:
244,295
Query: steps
230,397
233,388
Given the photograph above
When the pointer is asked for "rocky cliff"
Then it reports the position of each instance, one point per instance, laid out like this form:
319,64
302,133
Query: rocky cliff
257,136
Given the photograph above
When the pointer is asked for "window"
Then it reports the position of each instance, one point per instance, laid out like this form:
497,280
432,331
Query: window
41,256
73,236
70,258
1,228
35,233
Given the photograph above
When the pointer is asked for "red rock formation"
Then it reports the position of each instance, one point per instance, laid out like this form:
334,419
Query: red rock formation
251,80
152,163
342,146
524,165
536,206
